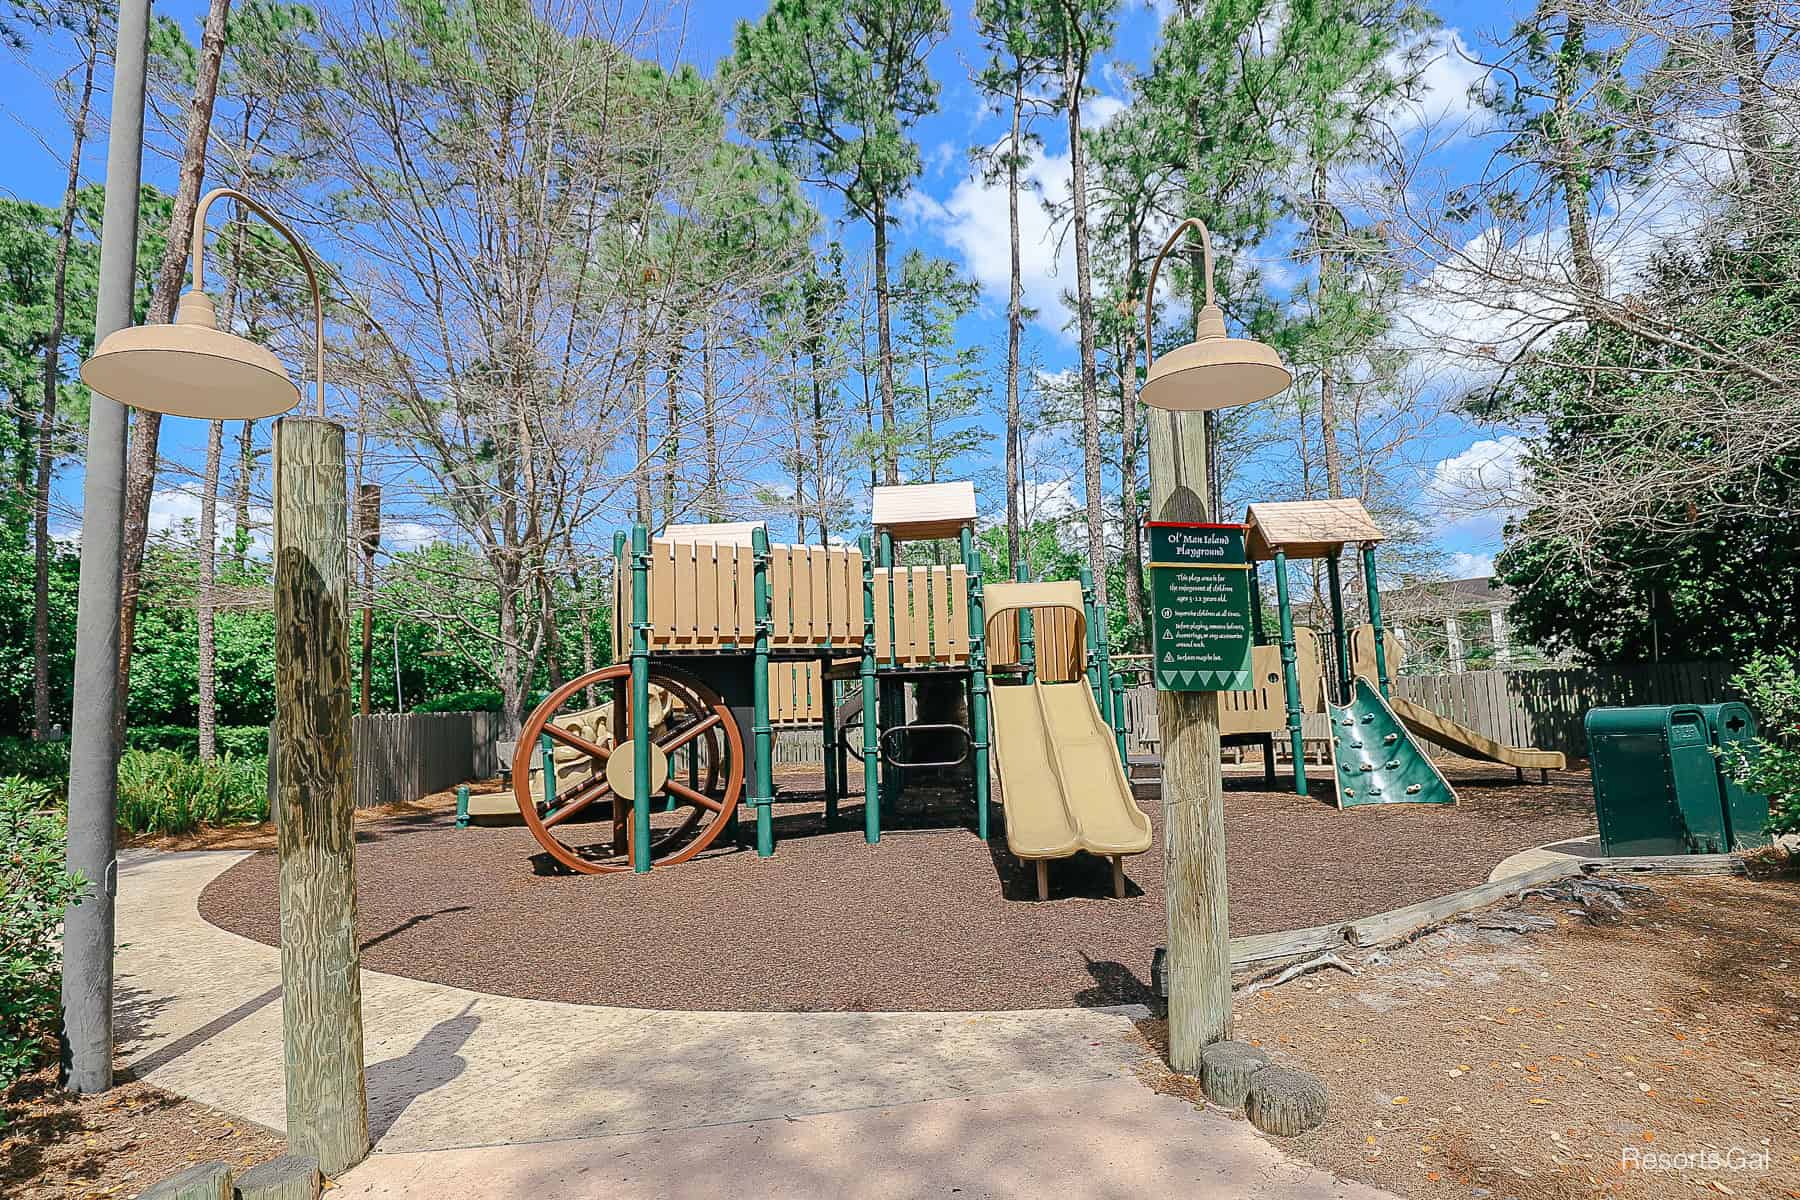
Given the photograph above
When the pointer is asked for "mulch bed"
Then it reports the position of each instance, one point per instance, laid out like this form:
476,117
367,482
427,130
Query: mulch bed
1558,1064
116,1144
931,919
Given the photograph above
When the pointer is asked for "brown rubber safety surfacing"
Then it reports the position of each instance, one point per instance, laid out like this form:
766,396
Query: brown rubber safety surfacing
930,919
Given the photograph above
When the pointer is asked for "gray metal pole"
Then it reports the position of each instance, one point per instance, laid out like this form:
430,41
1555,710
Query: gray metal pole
93,754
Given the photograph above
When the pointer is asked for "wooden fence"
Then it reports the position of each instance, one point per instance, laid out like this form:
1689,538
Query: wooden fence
1546,708
406,756
1541,708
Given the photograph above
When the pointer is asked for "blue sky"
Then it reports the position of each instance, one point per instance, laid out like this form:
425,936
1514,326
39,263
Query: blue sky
951,214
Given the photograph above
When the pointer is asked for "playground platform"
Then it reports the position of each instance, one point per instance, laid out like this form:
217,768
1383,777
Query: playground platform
527,1098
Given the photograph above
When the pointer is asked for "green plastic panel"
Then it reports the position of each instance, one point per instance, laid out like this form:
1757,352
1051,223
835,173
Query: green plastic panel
1656,782
1377,760
1746,812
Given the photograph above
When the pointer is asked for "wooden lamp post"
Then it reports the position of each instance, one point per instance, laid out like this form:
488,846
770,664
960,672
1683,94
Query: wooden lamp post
1213,371
191,368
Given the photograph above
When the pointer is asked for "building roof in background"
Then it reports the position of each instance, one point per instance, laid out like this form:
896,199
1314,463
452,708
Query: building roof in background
1444,597
1307,528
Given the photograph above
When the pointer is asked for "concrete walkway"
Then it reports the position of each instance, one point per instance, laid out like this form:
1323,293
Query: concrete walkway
535,1099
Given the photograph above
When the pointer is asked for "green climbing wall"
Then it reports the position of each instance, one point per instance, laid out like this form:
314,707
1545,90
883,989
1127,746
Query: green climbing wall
1376,760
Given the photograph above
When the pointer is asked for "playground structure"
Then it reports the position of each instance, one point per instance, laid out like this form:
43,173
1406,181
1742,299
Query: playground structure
721,638
1375,754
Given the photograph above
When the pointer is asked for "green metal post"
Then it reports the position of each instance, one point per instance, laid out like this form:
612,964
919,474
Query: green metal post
1339,641
1027,632
892,777
1103,662
763,734
978,682
1119,723
462,806
640,698
1290,681
1257,634
1374,594
871,739
547,756
828,703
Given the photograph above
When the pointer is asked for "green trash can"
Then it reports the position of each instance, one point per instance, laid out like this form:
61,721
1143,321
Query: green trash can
1746,812
1656,781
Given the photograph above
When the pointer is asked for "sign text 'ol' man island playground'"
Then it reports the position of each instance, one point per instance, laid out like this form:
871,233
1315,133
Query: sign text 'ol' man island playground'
1200,601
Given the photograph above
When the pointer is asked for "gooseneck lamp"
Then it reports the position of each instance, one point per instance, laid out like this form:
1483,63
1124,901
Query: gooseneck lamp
1212,371
192,368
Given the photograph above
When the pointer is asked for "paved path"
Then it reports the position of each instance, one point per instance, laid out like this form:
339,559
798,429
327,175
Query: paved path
544,1100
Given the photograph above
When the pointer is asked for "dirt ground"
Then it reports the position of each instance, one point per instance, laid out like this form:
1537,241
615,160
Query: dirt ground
62,1147
931,919
1483,1063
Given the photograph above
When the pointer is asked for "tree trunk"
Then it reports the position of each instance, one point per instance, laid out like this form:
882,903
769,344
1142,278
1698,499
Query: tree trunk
46,430
1074,71
1015,321
672,449
1753,111
884,344
1128,459
240,498
146,429
709,387
820,440
1331,267
1571,164
209,561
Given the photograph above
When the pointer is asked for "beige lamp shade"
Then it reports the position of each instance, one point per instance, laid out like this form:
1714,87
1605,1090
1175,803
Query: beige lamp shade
190,369
1217,372
1212,371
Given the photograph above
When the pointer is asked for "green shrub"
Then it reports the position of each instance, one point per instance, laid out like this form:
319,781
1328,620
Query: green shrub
161,791
34,890
241,740
1770,684
40,762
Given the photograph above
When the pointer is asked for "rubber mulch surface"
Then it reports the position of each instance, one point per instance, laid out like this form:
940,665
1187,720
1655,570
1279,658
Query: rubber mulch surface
930,919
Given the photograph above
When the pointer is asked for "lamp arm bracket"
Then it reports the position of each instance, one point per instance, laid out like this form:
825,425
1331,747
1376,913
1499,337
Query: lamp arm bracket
1206,250
305,255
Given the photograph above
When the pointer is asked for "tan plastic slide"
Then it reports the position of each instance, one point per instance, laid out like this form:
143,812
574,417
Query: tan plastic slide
1060,777
1454,735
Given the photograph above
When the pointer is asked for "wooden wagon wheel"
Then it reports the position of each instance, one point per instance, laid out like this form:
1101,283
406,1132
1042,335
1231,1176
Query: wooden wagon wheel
686,814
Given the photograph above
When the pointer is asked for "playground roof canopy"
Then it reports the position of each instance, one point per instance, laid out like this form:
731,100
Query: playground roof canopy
722,533
923,510
1307,528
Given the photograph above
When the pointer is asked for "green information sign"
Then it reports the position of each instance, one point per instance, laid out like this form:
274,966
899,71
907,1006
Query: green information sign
1200,607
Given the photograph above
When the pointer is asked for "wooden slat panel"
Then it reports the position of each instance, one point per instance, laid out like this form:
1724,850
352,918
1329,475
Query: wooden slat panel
914,645
662,592
853,598
937,597
817,578
799,595
956,612
884,625
781,592
706,588
745,577
683,614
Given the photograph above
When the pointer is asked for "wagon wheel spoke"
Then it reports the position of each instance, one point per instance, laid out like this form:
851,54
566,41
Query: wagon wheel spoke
576,742
687,735
684,792
583,796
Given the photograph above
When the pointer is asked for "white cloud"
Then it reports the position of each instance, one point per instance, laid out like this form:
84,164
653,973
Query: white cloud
1096,111
1444,104
972,220
1464,565
1485,479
